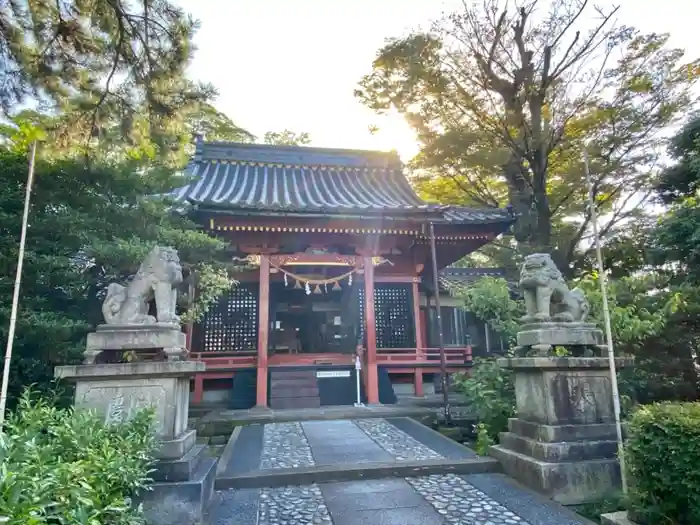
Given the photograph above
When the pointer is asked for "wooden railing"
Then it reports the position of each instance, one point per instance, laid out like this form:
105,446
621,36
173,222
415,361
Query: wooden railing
225,360
453,356
222,365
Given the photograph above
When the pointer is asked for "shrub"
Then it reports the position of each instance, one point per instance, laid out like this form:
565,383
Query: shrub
490,392
663,460
58,466
592,511
483,440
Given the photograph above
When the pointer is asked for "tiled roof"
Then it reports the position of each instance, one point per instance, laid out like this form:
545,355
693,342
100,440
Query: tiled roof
291,179
451,278
464,276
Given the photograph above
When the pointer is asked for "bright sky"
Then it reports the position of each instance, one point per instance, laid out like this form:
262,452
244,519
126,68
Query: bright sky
294,64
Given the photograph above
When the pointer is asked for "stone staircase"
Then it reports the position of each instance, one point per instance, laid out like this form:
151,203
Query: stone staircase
294,389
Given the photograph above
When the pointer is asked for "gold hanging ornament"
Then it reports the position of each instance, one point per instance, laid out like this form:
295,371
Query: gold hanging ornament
297,285
317,290
336,287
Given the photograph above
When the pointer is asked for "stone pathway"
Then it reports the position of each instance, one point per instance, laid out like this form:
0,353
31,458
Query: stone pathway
461,502
432,500
447,499
285,446
397,442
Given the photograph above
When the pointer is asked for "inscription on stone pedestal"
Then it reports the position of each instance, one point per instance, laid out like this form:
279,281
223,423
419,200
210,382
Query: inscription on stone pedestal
119,403
582,399
115,411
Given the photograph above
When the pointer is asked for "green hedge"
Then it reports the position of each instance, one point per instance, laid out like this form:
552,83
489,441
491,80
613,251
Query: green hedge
663,460
58,466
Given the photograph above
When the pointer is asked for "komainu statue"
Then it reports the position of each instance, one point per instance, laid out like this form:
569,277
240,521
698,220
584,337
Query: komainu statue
157,278
547,297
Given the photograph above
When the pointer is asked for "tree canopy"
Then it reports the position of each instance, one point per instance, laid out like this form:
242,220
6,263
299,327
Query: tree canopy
677,237
287,138
503,101
108,68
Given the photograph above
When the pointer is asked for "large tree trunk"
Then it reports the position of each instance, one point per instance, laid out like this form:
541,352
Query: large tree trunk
533,229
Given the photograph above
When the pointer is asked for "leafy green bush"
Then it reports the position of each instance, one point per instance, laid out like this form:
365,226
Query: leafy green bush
490,300
58,466
490,392
483,440
613,503
663,460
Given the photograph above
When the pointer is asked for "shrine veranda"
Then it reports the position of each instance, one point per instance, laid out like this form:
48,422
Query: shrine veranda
325,233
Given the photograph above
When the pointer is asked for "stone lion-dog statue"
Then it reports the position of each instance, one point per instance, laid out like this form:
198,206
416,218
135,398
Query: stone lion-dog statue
157,278
547,297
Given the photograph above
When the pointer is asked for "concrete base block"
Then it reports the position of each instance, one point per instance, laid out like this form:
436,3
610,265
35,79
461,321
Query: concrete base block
561,451
555,433
181,502
177,448
616,518
568,483
181,469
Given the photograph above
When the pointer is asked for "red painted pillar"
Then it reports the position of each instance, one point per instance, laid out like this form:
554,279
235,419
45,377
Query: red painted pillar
418,322
198,388
263,330
371,331
418,382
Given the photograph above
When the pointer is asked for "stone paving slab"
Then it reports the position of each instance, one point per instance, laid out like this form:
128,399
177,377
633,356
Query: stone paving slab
342,441
219,422
238,507
245,456
356,471
482,499
366,450
336,442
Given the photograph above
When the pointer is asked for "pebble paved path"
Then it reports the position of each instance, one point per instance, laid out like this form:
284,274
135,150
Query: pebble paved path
396,442
461,503
285,446
293,506
449,499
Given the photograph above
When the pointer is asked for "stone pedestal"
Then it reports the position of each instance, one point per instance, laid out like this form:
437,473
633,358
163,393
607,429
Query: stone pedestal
184,476
546,335
165,337
563,442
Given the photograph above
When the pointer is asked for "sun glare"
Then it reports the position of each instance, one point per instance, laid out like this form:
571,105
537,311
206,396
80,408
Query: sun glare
394,133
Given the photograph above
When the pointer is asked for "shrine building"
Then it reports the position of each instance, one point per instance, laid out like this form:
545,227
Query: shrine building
338,246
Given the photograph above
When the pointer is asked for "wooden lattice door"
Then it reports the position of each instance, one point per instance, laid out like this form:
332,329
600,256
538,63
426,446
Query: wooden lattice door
230,325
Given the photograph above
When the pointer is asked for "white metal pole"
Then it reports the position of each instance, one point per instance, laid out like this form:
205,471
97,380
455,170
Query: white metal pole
18,282
608,326
358,368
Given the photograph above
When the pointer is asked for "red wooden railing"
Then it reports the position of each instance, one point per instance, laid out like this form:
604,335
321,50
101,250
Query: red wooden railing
225,360
220,365
453,356
232,360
